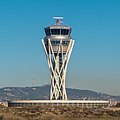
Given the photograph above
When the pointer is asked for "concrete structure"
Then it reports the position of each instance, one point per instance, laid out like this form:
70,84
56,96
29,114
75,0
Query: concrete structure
81,103
58,46
4,104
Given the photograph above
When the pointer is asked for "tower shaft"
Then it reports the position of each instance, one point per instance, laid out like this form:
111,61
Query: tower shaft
57,62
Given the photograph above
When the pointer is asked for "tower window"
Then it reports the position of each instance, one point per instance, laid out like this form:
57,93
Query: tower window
55,42
65,42
47,31
55,31
64,31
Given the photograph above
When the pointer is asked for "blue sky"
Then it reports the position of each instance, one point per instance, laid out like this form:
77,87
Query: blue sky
95,60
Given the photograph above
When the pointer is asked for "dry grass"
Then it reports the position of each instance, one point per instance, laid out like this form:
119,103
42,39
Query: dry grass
9,116
57,113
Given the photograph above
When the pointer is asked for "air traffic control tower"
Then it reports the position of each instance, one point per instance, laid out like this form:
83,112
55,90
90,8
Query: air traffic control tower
58,45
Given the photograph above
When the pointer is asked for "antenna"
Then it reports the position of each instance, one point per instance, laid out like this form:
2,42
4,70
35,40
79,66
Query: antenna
33,81
58,20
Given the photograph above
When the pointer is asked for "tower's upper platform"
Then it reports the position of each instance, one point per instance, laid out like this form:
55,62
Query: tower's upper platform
58,29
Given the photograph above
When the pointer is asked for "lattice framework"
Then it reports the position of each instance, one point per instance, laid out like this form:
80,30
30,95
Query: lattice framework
57,72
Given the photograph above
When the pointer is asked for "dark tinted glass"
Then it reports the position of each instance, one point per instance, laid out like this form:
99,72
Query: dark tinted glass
55,31
64,31
47,31
55,42
65,42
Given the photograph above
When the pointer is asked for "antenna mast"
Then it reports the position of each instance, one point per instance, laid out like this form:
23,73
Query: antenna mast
58,20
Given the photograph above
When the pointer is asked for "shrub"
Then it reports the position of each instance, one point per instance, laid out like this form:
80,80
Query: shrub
1,117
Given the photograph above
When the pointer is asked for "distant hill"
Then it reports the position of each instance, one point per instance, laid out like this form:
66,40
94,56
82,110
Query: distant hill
42,92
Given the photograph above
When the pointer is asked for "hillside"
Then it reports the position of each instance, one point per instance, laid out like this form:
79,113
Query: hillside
42,92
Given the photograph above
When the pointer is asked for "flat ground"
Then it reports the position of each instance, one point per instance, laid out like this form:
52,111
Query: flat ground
58,113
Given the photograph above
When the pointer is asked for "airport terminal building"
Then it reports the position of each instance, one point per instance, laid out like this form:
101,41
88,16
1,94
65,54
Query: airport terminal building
80,103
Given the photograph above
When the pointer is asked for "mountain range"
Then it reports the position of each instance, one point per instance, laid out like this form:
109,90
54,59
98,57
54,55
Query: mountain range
42,92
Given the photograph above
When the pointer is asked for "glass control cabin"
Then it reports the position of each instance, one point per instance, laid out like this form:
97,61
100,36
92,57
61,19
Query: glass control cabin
55,33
